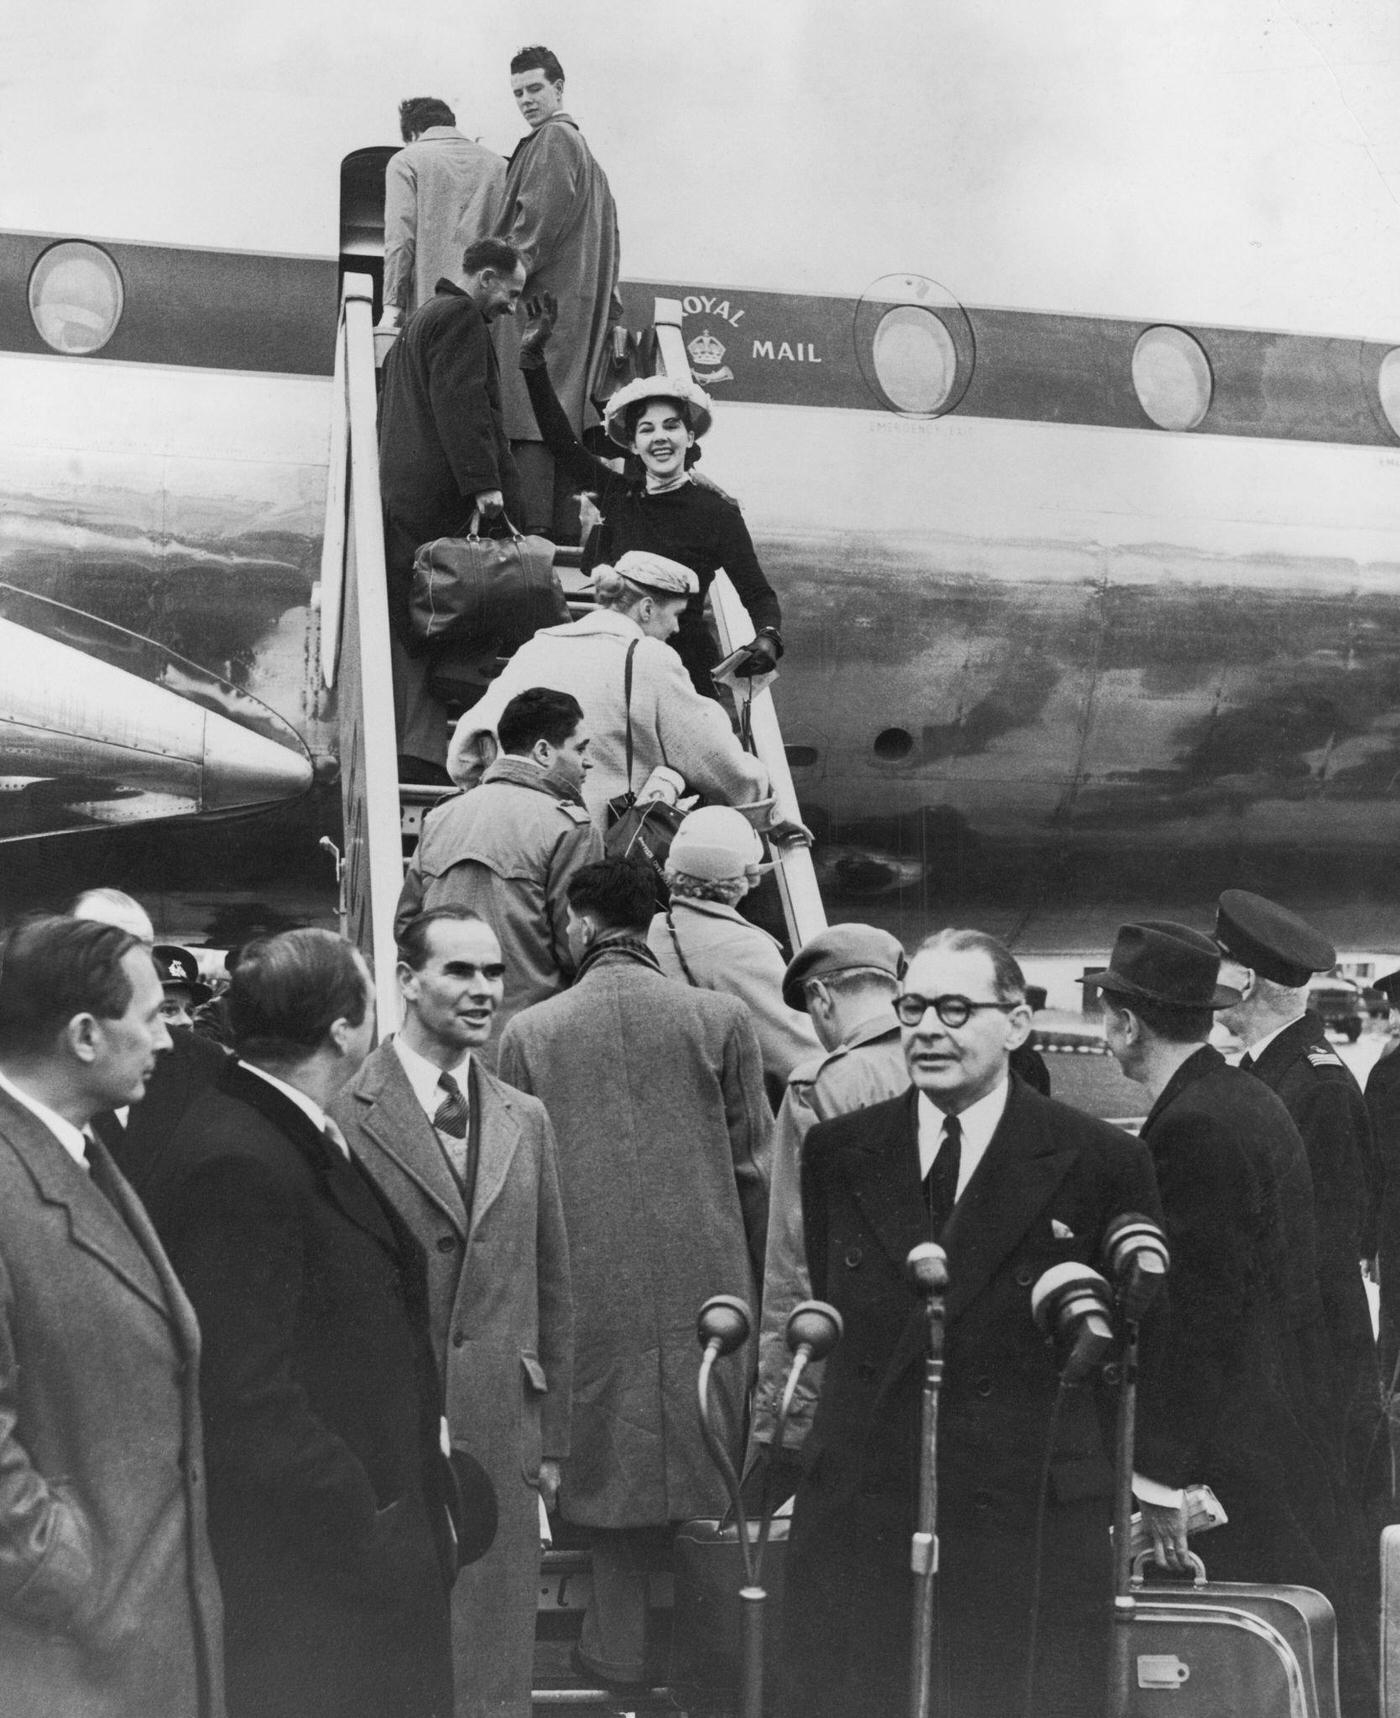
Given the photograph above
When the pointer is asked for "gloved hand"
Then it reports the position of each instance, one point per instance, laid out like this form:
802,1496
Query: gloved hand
763,655
543,313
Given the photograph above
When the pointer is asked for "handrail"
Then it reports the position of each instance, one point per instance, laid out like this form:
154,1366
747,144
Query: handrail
796,875
355,608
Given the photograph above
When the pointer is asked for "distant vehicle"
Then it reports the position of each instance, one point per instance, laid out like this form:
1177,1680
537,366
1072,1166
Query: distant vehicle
1377,1003
1339,1005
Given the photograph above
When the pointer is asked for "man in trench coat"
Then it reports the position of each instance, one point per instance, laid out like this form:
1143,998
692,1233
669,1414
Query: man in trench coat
558,212
500,1308
656,1093
109,1607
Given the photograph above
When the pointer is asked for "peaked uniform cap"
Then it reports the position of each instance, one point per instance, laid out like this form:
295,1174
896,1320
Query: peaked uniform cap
177,966
842,948
698,406
1274,942
1165,963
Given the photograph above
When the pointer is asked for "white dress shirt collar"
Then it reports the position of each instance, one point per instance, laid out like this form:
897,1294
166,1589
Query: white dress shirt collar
1257,1049
424,1075
69,1137
979,1122
308,1106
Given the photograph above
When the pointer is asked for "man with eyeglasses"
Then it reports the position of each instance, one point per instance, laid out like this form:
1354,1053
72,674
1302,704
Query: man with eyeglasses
469,1166
1009,1183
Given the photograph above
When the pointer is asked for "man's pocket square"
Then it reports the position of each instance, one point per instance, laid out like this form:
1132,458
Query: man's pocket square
1061,1231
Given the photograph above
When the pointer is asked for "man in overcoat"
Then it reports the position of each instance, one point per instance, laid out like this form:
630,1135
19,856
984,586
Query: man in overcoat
1234,1396
1009,1183
443,455
557,210
109,1606
845,980
327,1482
656,1094
441,191
1271,954
470,1167
508,848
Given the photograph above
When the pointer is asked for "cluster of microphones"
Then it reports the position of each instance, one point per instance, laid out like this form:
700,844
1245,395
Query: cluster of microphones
1072,1302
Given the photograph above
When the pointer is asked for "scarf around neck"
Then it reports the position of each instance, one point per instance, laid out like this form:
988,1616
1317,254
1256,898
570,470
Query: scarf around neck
618,945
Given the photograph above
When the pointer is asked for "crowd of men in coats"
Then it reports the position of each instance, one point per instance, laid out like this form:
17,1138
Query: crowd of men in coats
296,1336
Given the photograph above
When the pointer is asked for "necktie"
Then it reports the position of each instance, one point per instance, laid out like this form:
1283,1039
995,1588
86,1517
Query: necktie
451,1114
941,1182
1246,1061
96,1168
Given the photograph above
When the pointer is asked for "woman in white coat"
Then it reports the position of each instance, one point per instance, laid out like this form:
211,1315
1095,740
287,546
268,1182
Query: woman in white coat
639,604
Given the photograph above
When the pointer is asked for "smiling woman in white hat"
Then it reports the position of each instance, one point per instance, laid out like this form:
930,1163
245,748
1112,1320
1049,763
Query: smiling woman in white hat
659,419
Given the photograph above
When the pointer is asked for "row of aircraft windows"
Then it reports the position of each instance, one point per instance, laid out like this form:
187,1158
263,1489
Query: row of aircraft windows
76,300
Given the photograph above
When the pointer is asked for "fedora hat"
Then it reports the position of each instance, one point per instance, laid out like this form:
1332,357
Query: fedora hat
1168,964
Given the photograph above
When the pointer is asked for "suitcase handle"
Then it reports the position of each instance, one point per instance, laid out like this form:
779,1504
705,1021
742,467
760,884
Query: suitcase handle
1143,1558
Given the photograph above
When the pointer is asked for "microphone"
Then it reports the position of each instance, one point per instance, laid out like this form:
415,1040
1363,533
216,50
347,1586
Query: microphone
1073,1303
813,1330
1136,1256
723,1325
927,1266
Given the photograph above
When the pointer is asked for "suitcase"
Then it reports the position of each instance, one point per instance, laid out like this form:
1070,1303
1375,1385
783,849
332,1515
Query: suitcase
1390,1622
1229,1649
706,1651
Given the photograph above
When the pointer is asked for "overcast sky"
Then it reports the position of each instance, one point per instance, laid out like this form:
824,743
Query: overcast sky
1188,159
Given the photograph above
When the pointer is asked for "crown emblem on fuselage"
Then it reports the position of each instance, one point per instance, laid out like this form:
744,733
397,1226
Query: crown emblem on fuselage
707,355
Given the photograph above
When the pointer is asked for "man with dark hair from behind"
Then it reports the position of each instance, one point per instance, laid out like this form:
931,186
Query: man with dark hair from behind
656,1094
443,455
557,209
441,191
470,1166
508,848
326,1478
109,1604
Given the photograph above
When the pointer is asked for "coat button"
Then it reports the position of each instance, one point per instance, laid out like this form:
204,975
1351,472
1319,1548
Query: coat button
1025,1276
445,1243
983,1386
865,1369
982,1500
853,1258
458,1338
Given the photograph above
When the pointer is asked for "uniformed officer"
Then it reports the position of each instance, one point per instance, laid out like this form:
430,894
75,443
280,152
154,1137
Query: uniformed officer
1271,954
508,848
183,990
845,979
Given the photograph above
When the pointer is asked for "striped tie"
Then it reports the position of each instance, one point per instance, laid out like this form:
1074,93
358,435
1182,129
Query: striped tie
451,1116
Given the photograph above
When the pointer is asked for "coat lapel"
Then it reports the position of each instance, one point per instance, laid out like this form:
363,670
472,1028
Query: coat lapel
392,1119
1010,1187
97,1223
883,1176
499,1132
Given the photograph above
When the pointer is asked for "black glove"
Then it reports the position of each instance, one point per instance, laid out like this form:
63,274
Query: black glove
543,313
763,655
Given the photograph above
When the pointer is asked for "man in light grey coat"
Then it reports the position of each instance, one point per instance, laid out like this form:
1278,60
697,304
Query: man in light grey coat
557,210
507,849
441,191
656,1093
109,1605
845,979
469,1165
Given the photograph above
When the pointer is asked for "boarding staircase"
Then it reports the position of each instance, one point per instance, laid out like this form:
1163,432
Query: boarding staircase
382,819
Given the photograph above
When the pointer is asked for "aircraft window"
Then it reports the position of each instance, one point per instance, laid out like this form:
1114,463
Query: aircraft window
893,744
915,360
75,297
1389,385
1172,376
801,757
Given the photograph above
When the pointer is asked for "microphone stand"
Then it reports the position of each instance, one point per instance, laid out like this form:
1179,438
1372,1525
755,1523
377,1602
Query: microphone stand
923,1550
752,1597
1120,1669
